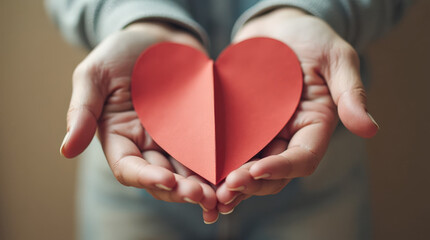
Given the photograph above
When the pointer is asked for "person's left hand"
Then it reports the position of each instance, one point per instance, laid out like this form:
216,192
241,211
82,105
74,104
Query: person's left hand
332,87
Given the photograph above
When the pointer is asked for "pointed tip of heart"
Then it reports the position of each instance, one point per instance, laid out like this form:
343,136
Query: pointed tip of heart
183,105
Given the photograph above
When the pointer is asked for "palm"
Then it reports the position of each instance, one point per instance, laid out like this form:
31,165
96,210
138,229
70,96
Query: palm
101,96
316,114
120,131
299,147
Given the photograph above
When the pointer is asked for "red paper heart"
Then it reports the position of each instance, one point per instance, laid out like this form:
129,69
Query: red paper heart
214,117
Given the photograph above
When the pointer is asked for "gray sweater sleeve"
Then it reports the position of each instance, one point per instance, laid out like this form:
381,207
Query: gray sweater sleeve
87,22
357,21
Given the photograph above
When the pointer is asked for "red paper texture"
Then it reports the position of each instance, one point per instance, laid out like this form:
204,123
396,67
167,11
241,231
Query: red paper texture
214,117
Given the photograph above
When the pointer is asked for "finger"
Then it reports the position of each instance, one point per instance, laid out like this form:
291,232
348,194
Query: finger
224,195
85,108
225,209
209,200
210,217
186,190
303,155
149,143
344,81
190,191
180,168
269,187
276,146
250,186
157,159
242,181
235,182
130,168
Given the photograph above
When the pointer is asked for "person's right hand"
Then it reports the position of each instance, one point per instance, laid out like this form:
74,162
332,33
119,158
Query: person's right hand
101,99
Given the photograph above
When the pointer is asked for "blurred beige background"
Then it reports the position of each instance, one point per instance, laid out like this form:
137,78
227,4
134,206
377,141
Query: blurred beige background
37,184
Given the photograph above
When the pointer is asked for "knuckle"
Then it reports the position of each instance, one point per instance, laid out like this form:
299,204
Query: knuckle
72,109
76,110
96,76
311,166
289,166
118,173
86,71
347,52
359,91
156,196
120,179
310,160
342,53
310,170
280,185
81,70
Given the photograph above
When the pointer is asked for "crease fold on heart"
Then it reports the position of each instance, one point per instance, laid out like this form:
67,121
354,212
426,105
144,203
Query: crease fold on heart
214,116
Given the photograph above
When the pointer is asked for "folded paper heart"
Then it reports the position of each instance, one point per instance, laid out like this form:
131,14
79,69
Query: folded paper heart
215,116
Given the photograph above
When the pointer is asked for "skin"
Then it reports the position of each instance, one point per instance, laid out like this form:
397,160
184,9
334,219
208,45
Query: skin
101,100
332,90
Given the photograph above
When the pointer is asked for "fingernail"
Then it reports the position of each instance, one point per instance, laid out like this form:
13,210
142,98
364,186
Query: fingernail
187,199
238,189
66,138
373,120
204,209
212,221
266,175
226,213
163,187
231,200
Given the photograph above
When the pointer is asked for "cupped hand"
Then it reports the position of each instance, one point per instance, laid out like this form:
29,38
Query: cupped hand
332,90
101,100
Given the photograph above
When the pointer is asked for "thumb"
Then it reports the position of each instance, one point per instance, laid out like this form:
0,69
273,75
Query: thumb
343,79
85,108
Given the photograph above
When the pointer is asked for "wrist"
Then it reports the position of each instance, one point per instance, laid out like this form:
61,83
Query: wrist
164,31
264,23
285,12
